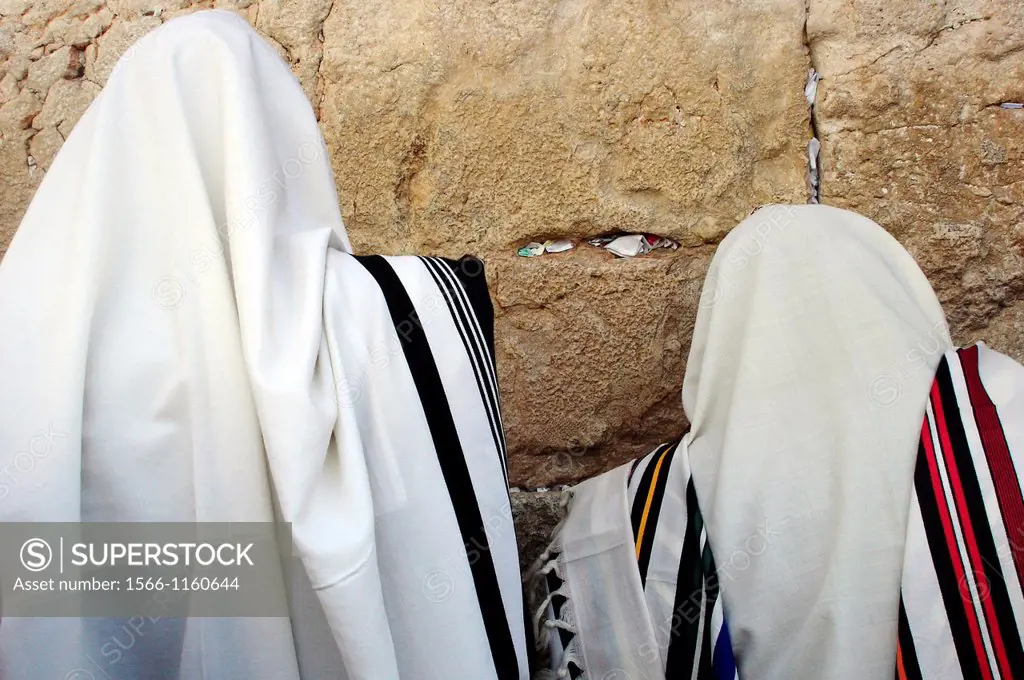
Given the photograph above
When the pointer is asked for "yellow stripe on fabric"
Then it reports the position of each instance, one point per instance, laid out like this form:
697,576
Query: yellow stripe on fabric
650,498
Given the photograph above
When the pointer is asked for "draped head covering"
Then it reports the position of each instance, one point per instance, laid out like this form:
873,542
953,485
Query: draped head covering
812,357
179,316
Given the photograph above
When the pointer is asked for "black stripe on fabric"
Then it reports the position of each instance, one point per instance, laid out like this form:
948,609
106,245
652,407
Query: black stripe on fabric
451,460
482,355
942,559
471,325
686,612
908,650
470,271
633,484
564,636
640,500
650,529
978,518
704,671
479,314
459,320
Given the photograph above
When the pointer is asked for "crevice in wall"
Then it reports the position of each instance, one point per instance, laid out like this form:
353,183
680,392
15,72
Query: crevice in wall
621,244
318,80
555,488
951,27
412,164
814,144
811,93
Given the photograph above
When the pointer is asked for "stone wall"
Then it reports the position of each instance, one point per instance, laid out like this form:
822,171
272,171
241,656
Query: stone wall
479,126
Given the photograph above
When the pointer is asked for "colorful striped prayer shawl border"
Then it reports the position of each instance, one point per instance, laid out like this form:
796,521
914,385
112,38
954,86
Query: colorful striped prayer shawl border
961,606
668,530
699,645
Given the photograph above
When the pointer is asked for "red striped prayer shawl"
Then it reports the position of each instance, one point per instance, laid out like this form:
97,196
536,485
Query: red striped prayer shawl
961,608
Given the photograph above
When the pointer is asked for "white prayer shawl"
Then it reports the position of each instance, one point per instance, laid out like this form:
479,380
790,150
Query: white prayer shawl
814,349
812,357
180,318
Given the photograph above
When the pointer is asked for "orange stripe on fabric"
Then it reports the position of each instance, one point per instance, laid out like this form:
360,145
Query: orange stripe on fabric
901,672
647,505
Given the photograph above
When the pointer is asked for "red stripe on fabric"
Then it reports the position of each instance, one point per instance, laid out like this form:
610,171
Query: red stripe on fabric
954,551
977,565
997,452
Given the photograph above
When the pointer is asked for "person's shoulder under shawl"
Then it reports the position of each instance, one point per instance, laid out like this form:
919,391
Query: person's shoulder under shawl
629,586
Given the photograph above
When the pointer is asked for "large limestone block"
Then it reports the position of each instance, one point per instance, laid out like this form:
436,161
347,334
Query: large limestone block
591,352
479,125
913,135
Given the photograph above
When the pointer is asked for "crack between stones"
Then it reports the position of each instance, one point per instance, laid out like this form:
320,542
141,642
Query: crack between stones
898,128
871,63
952,27
814,174
320,87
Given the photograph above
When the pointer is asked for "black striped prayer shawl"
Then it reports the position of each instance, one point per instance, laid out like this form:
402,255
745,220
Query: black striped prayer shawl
463,288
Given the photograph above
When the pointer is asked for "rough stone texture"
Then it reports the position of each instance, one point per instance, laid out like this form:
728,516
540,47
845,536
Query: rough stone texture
483,125
56,55
478,126
535,515
566,324
913,136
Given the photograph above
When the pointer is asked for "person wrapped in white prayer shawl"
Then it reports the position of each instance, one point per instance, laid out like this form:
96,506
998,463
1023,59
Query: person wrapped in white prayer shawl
846,505
180,304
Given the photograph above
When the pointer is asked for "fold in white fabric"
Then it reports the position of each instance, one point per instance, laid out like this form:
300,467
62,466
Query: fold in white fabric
179,312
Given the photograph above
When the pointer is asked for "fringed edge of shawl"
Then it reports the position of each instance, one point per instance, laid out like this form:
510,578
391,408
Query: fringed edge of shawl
555,654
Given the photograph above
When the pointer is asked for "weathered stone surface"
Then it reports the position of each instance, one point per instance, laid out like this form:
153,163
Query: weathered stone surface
590,353
65,103
913,136
17,186
55,55
19,112
535,514
482,125
296,26
102,55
